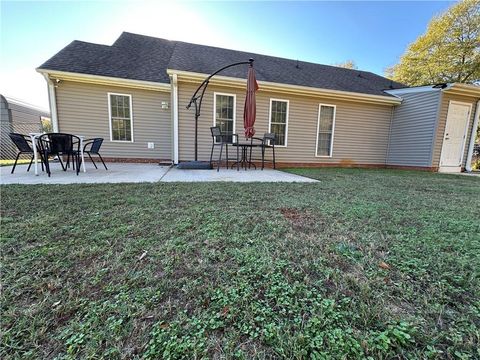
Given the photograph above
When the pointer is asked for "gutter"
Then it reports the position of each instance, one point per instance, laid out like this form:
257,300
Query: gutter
462,89
228,81
52,101
468,165
105,80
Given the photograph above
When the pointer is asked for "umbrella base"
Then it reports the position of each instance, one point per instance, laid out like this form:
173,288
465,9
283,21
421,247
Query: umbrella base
195,165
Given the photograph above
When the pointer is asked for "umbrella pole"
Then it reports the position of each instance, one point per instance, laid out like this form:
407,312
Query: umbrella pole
203,87
197,115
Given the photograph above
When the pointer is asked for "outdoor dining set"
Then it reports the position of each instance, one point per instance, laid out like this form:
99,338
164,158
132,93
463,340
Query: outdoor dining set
47,146
243,157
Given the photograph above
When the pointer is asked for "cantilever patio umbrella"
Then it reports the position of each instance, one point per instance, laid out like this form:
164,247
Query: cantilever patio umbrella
250,109
196,100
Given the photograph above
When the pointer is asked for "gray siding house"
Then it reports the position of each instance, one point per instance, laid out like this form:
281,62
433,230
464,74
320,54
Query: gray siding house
18,117
134,94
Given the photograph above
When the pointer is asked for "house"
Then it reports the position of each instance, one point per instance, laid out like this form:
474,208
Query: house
134,94
19,117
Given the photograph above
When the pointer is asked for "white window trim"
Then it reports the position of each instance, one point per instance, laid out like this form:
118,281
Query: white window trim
110,117
234,109
333,130
286,120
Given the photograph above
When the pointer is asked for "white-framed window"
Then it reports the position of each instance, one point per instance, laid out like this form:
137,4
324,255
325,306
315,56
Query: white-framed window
325,130
224,106
278,121
120,117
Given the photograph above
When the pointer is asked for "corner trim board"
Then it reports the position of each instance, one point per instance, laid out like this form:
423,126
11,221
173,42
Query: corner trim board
175,118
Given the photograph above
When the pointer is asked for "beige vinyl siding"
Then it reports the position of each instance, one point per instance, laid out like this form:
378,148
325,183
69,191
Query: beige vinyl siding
361,130
442,121
83,109
413,129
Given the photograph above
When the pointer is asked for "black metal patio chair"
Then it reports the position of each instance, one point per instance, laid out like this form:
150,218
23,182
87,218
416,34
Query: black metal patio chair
60,144
267,142
222,140
92,146
24,146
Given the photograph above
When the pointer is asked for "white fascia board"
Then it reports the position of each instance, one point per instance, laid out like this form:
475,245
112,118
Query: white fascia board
105,80
411,90
463,89
287,88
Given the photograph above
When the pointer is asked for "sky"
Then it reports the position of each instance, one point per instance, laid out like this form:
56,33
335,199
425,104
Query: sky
373,34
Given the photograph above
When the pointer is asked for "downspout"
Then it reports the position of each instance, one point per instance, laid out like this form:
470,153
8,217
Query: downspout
392,115
175,117
52,101
468,165
389,136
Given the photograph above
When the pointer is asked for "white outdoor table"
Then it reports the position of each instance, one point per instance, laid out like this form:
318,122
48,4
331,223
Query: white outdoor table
35,136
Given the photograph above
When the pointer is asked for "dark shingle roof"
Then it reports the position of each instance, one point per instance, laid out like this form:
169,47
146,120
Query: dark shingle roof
146,58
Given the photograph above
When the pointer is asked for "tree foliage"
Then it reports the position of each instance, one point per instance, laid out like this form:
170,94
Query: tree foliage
347,64
449,51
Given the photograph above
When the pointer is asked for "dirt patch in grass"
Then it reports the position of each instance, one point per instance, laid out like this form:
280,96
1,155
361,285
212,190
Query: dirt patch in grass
301,220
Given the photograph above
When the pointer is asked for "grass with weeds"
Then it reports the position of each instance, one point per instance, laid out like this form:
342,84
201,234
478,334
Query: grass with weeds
363,264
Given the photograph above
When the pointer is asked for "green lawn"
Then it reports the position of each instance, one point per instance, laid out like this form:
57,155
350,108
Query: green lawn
365,263
11,162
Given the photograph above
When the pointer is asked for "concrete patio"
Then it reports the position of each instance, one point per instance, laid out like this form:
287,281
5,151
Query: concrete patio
136,173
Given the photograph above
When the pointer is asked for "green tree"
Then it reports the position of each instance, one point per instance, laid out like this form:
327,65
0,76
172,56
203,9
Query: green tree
449,51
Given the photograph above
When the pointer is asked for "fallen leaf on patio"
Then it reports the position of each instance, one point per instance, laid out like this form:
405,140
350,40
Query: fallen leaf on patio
143,255
384,265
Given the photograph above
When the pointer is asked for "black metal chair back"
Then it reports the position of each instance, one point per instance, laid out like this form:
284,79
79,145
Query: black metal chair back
95,145
221,139
21,142
56,144
60,143
92,146
270,138
217,135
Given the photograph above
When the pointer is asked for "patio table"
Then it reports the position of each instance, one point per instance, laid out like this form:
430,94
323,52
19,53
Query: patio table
35,136
244,160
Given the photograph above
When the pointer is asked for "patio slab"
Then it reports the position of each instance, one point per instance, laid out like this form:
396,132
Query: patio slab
136,173
116,173
266,175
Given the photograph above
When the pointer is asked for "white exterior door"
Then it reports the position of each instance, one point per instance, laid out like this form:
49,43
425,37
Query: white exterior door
454,136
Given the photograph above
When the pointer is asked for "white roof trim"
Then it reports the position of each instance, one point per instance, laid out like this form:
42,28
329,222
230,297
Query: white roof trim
463,89
19,102
413,90
457,88
287,88
106,80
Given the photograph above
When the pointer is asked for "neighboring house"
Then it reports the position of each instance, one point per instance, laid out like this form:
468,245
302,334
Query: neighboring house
18,117
134,94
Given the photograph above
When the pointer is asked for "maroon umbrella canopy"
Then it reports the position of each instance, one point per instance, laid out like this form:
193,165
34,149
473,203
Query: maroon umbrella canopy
250,109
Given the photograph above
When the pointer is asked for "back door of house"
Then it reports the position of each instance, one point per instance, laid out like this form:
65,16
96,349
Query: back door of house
454,136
